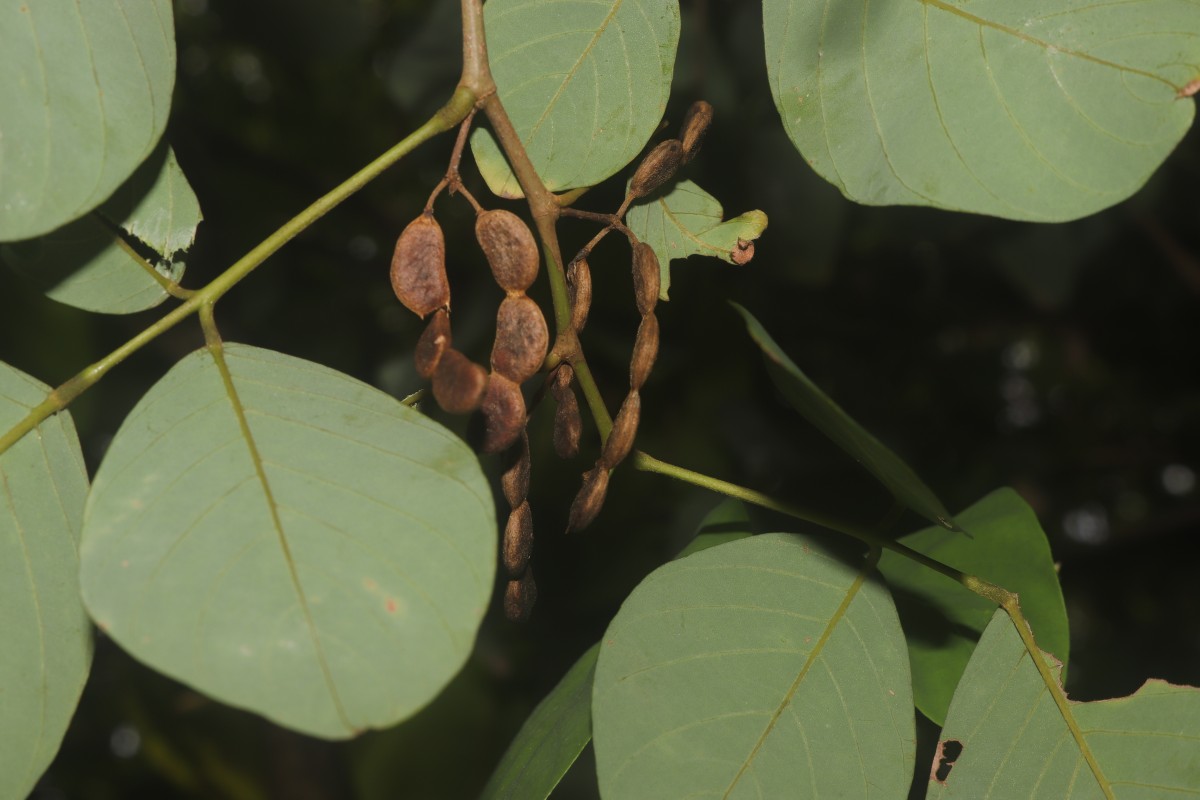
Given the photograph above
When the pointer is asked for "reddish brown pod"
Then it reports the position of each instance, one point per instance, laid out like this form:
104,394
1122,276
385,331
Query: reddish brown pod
518,540
656,168
590,500
645,351
419,267
646,277
510,249
519,597
624,429
514,480
433,343
695,125
458,383
503,410
579,283
522,339
568,422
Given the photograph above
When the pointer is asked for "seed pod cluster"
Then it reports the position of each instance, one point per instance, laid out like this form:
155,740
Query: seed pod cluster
568,423
519,597
419,267
695,125
579,284
590,500
517,545
510,249
656,168
503,409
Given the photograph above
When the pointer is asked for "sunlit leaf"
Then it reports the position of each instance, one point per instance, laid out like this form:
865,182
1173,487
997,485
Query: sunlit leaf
585,85
85,96
291,541
1024,109
764,667
47,639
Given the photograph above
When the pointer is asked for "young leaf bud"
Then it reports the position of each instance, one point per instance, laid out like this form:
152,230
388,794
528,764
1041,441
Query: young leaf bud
518,540
695,125
624,429
519,597
656,168
514,480
419,267
590,500
510,249
522,339
433,343
458,383
645,350
579,282
646,277
503,411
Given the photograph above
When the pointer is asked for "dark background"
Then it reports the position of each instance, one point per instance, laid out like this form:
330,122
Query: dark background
1061,360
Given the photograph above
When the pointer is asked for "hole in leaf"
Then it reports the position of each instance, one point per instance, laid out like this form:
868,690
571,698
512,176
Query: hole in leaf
943,761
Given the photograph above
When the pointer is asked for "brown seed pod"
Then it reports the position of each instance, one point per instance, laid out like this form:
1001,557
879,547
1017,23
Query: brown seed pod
656,168
522,339
624,429
503,411
568,424
645,350
519,597
510,249
518,540
514,480
646,277
433,343
590,500
458,383
419,267
579,282
695,125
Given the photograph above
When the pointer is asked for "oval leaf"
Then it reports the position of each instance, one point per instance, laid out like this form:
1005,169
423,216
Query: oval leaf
585,85
759,668
1006,737
688,221
47,639
944,620
85,97
1023,109
290,541
92,264
828,416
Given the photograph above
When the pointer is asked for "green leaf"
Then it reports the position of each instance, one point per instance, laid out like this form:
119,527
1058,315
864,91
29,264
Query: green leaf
550,740
764,667
47,639
687,221
85,97
92,264
585,85
815,406
1025,109
943,620
1016,742
290,541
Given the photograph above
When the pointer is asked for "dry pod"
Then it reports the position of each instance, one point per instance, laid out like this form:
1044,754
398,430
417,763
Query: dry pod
510,249
646,277
695,125
458,383
519,597
624,429
645,350
568,423
579,282
522,339
590,500
433,343
514,480
518,540
503,410
656,168
419,267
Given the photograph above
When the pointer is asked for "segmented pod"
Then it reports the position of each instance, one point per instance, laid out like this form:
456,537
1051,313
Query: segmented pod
503,410
510,249
519,597
624,429
433,343
695,125
458,383
656,168
590,500
645,351
646,277
419,267
579,283
568,423
518,540
514,480
522,339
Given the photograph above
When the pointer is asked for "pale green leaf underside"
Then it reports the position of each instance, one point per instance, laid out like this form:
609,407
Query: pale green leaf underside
764,667
337,589
944,620
688,221
819,409
550,740
1023,109
584,82
85,97
89,265
47,639
1017,744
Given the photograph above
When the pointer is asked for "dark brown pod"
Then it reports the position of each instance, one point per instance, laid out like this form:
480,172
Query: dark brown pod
522,339
695,125
419,267
458,383
433,343
519,597
646,277
590,500
624,429
579,282
656,168
568,424
514,480
503,410
510,249
645,350
518,540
